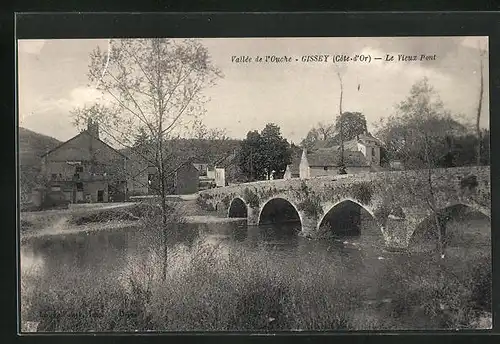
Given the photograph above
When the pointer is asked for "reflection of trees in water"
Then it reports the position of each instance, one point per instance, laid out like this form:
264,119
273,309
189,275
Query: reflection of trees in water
277,236
80,250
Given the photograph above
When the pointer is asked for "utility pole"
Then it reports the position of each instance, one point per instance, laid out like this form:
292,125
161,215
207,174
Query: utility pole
479,106
342,167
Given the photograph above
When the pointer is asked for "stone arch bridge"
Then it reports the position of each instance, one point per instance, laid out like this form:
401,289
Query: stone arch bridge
398,201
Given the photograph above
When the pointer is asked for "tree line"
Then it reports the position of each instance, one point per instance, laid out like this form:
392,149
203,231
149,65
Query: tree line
421,133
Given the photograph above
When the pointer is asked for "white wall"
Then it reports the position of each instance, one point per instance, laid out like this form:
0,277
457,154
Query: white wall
366,149
211,174
220,177
304,166
288,173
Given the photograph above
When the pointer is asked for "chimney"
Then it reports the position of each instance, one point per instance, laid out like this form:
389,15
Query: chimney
93,128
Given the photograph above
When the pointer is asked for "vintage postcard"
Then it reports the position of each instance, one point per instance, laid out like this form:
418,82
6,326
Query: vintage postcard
254,184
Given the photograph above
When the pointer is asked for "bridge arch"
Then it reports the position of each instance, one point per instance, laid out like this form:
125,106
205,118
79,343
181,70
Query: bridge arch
462,216
237,208
350,210
281,209
476,207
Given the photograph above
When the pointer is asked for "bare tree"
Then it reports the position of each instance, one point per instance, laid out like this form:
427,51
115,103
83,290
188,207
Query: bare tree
417,134
153,87
325,130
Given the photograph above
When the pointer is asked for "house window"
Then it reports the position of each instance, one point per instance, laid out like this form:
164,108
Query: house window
325,168
79,169
79,186
373,151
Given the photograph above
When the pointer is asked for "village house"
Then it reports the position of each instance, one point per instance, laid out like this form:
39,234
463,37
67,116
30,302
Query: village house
86,169
210,176
181,178
360,155
185,179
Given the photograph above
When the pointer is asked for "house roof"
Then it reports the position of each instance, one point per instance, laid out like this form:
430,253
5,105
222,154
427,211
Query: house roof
331,158
85,132
369,138
351,145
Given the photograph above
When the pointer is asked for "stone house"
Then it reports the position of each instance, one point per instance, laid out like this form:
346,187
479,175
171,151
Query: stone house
185,179
182,177
360,155
86,169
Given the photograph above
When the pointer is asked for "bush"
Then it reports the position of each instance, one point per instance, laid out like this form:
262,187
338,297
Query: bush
362,192
311,206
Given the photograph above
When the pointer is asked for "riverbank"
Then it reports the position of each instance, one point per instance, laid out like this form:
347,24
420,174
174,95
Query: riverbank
212,288
107,216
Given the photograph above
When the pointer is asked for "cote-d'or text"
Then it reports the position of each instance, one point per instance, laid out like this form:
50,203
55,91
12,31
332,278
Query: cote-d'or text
335,58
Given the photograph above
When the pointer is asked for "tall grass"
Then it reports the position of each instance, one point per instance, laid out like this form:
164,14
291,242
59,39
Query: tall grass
227,288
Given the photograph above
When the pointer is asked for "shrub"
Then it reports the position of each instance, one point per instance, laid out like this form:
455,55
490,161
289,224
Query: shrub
210,288
311,206
363,192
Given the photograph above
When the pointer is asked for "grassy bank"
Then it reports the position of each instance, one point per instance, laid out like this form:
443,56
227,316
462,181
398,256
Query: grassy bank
81,216
223,288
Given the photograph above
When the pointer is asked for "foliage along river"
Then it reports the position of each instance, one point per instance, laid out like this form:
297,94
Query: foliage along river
108,251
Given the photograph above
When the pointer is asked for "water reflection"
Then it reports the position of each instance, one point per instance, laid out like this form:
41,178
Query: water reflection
108,249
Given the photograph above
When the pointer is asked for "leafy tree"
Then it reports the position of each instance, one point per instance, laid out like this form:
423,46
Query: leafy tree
462,150
154,87
353,124
250,156
312,137
321,132
265,153
277,151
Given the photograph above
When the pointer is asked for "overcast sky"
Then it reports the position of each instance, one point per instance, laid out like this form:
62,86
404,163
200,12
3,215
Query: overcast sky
295,96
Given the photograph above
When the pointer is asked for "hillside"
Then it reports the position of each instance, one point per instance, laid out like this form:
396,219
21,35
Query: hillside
31,146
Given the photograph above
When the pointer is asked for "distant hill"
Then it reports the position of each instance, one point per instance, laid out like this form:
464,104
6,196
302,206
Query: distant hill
31,146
